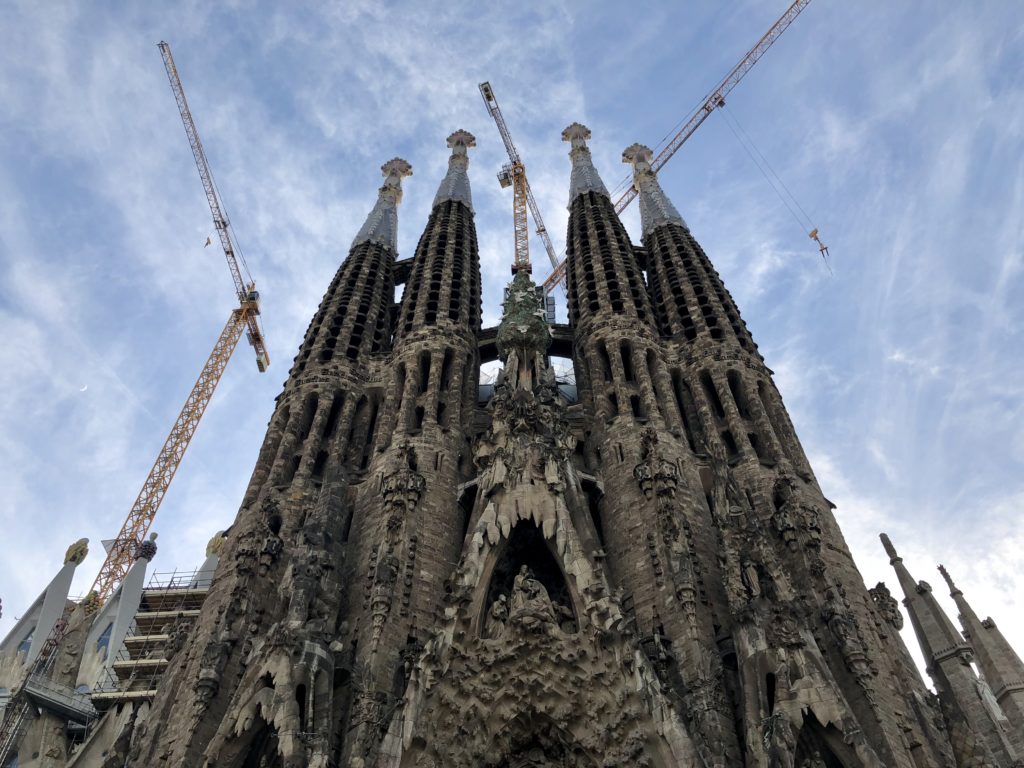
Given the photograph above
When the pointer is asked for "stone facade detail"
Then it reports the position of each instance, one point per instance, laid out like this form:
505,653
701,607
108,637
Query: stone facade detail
424,573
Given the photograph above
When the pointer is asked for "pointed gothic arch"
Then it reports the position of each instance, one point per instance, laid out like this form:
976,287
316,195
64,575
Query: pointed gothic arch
816,742
527,546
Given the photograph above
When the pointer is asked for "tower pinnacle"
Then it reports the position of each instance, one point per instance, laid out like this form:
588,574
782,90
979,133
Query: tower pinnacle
655,207
585,177
381,226
975,724
1000,665
455,185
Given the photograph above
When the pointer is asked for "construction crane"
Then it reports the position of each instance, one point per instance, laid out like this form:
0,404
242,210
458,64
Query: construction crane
714,100
245,317
121,551
513,174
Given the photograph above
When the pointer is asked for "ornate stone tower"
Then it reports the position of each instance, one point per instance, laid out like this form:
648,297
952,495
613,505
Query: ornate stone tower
427,574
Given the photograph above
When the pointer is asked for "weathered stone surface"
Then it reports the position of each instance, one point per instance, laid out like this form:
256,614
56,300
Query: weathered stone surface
648,577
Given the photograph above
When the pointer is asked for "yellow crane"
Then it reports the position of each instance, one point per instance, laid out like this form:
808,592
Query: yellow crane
714,100
245,317
122,550
513,174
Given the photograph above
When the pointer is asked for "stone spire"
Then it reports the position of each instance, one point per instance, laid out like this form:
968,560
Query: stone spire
655,207
455,185
381,226
935,632
1000,665
585,177
974,724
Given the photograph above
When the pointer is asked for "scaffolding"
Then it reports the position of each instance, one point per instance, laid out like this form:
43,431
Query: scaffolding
168,599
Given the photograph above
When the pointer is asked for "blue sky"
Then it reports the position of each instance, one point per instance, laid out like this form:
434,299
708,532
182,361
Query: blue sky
900,132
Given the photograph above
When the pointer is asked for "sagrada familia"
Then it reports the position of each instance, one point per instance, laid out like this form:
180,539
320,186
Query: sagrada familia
640,570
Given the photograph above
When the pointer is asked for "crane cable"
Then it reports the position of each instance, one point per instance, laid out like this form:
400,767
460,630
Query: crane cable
775,181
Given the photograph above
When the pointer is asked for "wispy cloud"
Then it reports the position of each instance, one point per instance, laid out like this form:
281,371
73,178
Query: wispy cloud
899,134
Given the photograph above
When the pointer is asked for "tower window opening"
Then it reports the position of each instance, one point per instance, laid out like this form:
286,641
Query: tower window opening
712,393
593,505
755,443
332,416
446,370
606,362
371,430
738,395
300,698
293,467
399,387
424,372
637,407
730,444
626,352
308,412
319,464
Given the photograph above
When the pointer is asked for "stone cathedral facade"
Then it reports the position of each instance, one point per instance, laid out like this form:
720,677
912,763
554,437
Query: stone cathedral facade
646,574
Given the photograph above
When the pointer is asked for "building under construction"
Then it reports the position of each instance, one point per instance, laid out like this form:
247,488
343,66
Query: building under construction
631,564
422,574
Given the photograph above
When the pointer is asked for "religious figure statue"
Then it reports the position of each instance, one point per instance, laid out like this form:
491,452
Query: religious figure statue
497,617
751,580
531,605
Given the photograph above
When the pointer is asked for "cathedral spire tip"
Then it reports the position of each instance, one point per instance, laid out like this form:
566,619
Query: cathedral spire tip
455,185
655,208
585,177
381,226
460,141
890,550
953,590
577,134
639,156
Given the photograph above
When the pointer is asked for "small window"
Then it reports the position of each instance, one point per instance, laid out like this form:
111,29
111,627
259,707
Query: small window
27,642
103,642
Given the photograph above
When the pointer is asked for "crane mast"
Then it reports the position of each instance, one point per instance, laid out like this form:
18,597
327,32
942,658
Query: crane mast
514,174
714,100
121,552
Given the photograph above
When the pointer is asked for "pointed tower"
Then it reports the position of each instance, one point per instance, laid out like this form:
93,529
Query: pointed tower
1001,667
533,662
425,574
784,605
410,524
976,726
255,678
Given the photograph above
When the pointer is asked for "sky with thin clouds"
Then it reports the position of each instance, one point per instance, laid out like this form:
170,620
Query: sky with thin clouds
897,127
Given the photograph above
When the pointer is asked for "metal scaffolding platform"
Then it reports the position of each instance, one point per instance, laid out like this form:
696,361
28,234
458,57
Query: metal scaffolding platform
168,599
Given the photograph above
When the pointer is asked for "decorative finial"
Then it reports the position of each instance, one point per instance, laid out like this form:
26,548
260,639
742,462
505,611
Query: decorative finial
889,548
381,226
147,549
455,185
77,552
639,156
577,134
460,141
655,207
394,171
585,177
949,580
